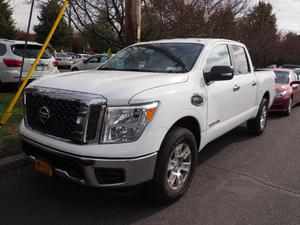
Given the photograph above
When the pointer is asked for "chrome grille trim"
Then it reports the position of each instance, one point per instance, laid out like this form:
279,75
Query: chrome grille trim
86,100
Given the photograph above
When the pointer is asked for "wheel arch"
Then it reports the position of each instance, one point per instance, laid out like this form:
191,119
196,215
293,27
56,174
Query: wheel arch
190,123
267,96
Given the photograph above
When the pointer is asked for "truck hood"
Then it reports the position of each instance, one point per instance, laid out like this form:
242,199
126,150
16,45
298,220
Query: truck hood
118,87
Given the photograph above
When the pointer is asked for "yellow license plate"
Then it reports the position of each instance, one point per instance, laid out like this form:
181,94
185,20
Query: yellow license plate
43,167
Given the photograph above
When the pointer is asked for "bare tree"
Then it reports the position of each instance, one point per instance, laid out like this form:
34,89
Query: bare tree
104,19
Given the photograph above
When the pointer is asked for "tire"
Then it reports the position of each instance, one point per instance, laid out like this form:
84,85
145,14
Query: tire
178,151
258,124
75,69
290,107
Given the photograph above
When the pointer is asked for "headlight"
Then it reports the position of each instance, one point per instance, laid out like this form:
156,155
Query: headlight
280,94
126,124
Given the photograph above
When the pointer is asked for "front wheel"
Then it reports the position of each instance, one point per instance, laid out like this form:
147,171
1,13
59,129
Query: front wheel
175,166
258,124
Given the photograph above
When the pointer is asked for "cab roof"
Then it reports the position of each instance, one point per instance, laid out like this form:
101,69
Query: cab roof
204,41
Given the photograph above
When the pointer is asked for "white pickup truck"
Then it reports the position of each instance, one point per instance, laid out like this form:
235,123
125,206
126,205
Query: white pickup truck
143,116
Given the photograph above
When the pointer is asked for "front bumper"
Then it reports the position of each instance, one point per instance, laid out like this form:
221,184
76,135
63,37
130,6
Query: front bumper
280,105
94,172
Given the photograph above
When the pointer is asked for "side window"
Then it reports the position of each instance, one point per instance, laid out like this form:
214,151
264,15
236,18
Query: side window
219,56
93,59
103,59
2,49
296,76
241,60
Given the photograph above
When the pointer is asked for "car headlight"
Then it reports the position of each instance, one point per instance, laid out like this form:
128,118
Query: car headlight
280,94
126,124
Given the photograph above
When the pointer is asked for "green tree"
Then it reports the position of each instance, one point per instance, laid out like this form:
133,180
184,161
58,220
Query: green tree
7,24
258,30
63,35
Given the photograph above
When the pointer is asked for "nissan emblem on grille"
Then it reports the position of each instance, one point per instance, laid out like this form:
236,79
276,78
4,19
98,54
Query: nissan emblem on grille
44,114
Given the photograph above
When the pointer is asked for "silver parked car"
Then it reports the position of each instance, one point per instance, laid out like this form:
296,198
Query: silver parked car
11,53
91,63
80,58
64,60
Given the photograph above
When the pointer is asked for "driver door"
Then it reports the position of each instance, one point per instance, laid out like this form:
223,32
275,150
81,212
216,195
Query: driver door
91,63
222,96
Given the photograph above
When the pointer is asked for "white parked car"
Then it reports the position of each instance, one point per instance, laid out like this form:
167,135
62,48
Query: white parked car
64,60
11,53
145,114
80,58
90,63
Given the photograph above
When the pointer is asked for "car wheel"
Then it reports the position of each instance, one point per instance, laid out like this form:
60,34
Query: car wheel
258,124
175,166
290,107
75,69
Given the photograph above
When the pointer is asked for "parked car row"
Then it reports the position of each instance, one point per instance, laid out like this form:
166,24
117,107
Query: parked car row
287,90
11,53
90,63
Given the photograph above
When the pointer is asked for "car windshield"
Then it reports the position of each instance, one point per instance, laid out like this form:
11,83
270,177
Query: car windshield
31,52
161,57
282,77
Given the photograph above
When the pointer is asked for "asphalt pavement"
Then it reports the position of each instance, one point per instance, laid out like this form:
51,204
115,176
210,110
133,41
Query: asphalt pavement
240,179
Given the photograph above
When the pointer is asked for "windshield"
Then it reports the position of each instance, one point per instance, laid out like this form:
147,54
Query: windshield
282,77
32,51
161,57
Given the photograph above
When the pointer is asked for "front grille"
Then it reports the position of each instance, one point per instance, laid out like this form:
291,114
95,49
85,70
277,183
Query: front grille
68,115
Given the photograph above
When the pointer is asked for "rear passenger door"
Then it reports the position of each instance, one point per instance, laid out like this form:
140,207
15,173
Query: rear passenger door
245,80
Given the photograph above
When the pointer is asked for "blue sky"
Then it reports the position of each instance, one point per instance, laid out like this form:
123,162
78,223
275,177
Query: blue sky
287,11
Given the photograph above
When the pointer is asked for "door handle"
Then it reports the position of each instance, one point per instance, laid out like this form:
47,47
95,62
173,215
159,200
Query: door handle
254,83
236,88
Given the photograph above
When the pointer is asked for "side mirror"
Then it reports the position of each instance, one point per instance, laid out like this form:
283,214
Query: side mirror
219,73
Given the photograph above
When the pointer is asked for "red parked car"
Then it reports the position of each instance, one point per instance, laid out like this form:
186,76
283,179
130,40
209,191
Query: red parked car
287,90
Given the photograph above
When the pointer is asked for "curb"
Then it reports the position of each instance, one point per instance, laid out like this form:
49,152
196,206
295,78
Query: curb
12,161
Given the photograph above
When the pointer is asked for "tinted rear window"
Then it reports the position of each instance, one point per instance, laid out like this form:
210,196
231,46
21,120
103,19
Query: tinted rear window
2,49
282,77
31,52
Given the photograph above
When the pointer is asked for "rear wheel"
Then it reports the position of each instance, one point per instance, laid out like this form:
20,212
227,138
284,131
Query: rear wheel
175,166
258,124
75,69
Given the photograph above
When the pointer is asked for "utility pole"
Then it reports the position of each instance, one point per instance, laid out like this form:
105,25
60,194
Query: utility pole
133,21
